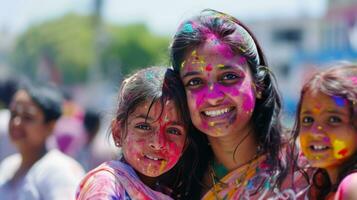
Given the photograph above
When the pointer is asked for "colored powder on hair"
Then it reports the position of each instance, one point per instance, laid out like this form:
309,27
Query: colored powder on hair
150,75
183,64
187,28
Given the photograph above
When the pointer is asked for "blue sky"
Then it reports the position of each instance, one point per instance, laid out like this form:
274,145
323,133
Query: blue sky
162,16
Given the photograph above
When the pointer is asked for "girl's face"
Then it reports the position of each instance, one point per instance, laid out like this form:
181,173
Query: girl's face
154,141
219,88
327,137
27,128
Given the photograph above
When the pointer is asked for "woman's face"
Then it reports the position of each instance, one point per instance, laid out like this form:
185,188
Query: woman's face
327,137
154,141
27,128
219,87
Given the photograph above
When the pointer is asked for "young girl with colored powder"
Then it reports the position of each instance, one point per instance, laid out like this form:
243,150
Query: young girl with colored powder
327,130
151,127
234,101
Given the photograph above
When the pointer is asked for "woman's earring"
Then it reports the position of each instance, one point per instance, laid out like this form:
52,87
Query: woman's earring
117,144
259,95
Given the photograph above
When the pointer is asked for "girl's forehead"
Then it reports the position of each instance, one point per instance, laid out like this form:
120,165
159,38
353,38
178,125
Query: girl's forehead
157,107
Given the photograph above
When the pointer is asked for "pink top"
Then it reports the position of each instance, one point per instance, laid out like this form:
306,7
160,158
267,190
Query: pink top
115,180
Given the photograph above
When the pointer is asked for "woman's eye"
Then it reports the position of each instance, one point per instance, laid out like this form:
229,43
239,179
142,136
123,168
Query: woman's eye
145,127
307,120
174,131
334,119
229,78
195,82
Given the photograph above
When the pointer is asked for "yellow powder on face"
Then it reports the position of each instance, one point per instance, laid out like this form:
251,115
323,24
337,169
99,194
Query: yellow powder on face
220,65
162,166
339,149
211,123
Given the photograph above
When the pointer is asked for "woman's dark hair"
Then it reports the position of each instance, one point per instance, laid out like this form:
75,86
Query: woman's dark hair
340,81
233,33
47,98
159,84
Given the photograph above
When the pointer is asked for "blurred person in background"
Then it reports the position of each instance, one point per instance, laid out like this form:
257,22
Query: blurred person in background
36,172
8,87
87,155
69,134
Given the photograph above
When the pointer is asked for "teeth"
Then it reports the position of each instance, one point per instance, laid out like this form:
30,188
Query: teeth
319,147
152,158
215,113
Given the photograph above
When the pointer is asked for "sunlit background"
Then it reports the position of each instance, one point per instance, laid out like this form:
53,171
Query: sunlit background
86,47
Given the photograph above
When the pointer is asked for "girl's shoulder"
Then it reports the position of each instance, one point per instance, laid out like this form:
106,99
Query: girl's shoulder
100,182
347,188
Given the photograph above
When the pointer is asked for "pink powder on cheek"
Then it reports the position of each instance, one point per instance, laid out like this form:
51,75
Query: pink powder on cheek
173,154
234,91
248,103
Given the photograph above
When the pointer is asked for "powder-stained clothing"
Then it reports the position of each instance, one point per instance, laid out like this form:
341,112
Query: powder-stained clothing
256,180
54,177
116,180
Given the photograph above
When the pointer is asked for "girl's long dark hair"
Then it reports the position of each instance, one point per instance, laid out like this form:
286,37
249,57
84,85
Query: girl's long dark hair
230,31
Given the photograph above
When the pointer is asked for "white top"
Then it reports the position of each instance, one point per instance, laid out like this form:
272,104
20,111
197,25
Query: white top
6,147
54,176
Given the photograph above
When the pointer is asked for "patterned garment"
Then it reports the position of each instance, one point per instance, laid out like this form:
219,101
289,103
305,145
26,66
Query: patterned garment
115,180
255,180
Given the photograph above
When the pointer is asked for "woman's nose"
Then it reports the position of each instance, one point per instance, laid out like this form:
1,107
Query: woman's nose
214,95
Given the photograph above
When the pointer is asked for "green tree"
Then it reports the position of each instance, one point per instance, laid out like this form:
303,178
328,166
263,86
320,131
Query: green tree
66,46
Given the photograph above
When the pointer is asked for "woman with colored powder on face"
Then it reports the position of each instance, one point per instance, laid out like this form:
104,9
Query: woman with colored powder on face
158,155
326,125
36,172
232,99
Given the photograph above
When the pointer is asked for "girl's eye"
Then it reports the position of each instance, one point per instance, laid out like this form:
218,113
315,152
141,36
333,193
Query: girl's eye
174,131
229,78
194,83
334,119
145,127
307,120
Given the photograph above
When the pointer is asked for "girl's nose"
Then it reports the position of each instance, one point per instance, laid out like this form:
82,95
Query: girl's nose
158,140
317,129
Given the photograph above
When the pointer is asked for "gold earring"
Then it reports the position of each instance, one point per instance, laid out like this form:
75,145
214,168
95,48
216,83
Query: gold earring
259,95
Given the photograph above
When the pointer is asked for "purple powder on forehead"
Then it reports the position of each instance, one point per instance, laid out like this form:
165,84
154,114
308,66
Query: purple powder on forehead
339,101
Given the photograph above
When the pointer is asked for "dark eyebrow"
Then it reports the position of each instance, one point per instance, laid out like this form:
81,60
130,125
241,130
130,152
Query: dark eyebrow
191,73
336,112
177,123
306,112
